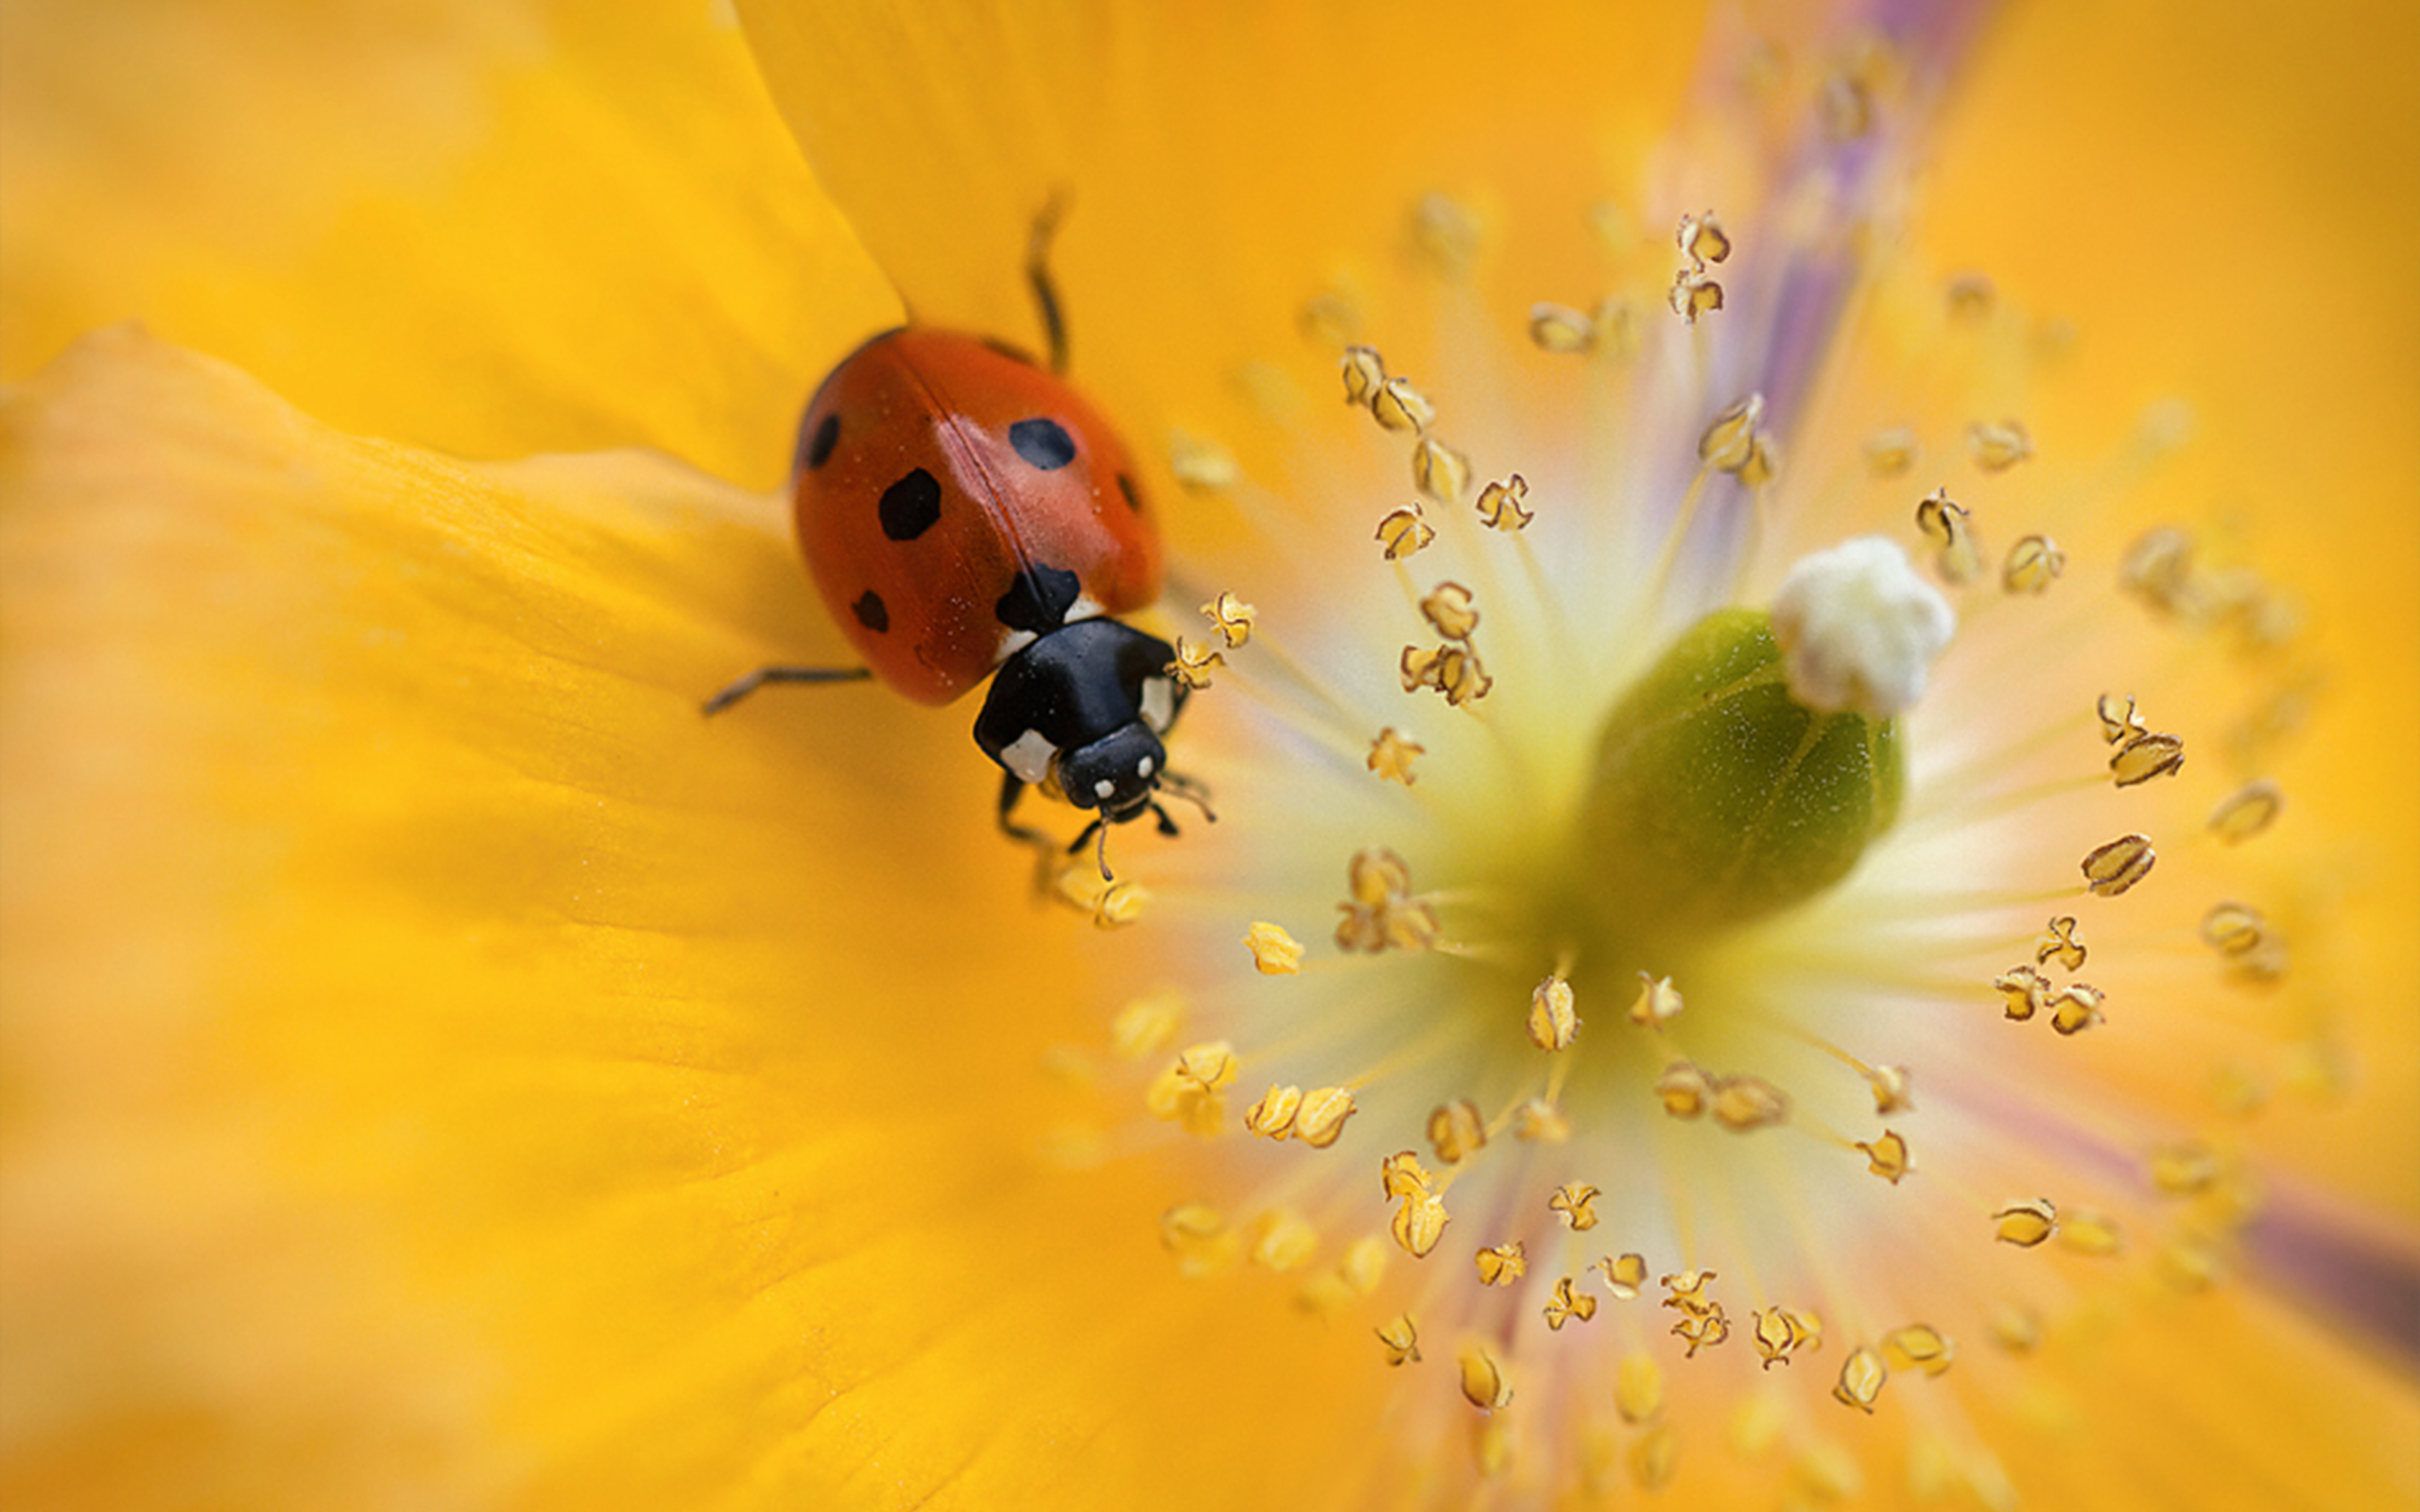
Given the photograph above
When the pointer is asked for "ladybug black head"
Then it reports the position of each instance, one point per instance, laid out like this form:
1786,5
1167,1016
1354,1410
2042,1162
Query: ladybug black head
1117,774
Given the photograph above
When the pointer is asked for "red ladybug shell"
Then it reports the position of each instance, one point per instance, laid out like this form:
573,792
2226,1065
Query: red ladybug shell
935,471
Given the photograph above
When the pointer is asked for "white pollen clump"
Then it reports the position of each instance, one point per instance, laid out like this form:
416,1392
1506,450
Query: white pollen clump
1859,630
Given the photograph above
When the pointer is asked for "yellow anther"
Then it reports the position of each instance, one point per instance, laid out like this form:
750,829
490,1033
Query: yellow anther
1861,1378
2023,989
2025,1223
1402,531
1886,1157
1418,1224
1321,1120
1763,463
1998,447
1847,103
1192,1092
1703,1329
1638,1387
1201,1238
1655,1456
1377,877
2158,569
2018,1330
1890,453
1918,1346
1283,1243
2034,565
1502,1264
1209,1065
2145,757
2116,727
1568,1305
1621,331
1445,232
1118,903
1400,1174
1146,1026
1947,525
1332,317
1686,1291
1554,1022
1272,1117
1399,406
1658,1003
1452,670
1232,618
2246,811
1193,664
1683,1089
2058,942
2190,1263
2090,1233
2114,867
1450,611
1401,1338
1743,1102
1273,950
2076,1009
1540,1122
1365,374
1499,504
2234,929
1438,471
1625,1274
1483,1383
1364,1265
1702,239
1380,915
1893,1089
1729,439
1393,753
2187,1168
1780,1333
1455,1131
1202,465
1560,328
1971,296
1694,295
1577,1202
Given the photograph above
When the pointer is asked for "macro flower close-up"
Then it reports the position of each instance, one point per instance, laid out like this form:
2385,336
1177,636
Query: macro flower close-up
1773,854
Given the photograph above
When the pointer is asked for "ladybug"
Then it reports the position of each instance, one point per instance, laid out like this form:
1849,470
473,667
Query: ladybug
966,513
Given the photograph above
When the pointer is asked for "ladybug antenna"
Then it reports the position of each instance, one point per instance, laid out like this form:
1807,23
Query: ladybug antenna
1037,274
1102,851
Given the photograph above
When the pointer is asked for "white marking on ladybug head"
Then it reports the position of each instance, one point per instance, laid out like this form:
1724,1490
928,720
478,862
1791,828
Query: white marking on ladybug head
1029,756
1105,789
1143,768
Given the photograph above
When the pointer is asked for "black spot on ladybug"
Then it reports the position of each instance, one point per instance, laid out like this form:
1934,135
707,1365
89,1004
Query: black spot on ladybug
1126,486
872,612
1039,600
1044,442
827,436
911,505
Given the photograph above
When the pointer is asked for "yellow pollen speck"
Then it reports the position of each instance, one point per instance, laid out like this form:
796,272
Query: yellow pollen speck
1554,1022
1861,1378
1502,1264
1321,1123
1745,1103
1393,753
2114,867
1652,1458
1399,406
1499,504
1193,664
2024,990
1703,1330
2146,756
1232,618
1893,1088
1401,1339
1455,1131
1285,1244
1146,1026
1540,1122
2034,565
2076,1009
1559,328
1272,1117
1400,1174
2058,941
1918,1346
1438,471
1381,914
1729,439
2026,1223
1276,952
1453,671
1951,531
1702,240
1638,1388
1200,465
1200,1239
1886,1157
2185,1169
2233,929
1625,1274
1450,611
1567,1305
1686,1291
1483,1383
1658,1003
1365,374
1995,448
2114,727
1890,453
1683,1089
1402,531
1780,1333
1577,1202
2087,1232
1694,294
2018,1330
1419,1222
2246,811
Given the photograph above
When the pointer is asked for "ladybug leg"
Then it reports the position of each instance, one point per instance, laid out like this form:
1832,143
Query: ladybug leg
1194,791
1046,849
762,676
1167,826
1037,274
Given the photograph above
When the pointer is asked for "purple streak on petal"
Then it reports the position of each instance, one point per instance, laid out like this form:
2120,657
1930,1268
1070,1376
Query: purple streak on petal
2363,1278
